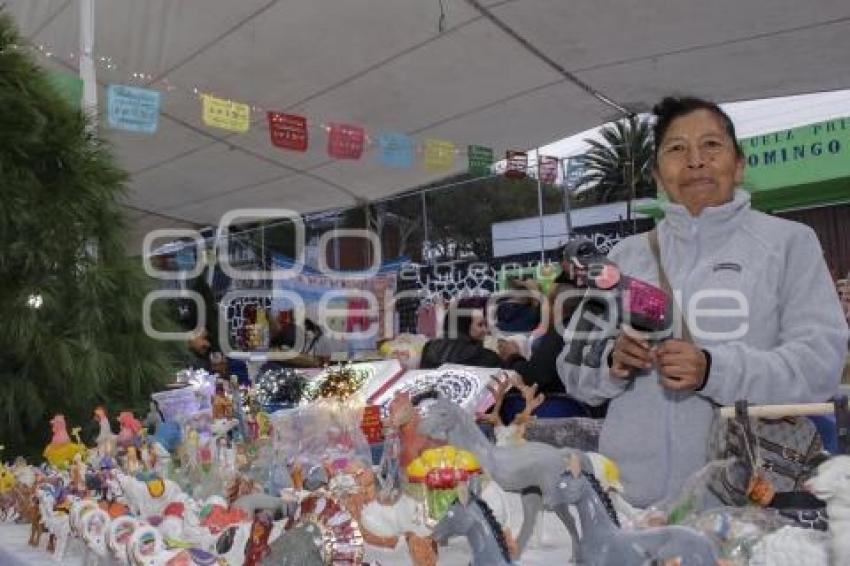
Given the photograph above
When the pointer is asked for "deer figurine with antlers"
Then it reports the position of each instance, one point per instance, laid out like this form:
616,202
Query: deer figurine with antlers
513,433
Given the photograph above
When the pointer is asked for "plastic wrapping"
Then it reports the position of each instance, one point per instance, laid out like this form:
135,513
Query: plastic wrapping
744,535
325,431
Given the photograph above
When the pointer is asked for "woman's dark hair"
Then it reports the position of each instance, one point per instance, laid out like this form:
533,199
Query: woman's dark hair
672,107
464,322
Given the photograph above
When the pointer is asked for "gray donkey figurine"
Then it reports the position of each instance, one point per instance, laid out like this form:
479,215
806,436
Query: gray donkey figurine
530,468
604,544
471,517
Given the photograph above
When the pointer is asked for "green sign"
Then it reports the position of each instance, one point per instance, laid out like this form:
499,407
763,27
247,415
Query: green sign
800,156
796,168
69,87
480,159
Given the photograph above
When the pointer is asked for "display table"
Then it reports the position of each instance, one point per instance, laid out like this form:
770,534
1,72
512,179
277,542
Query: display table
550,543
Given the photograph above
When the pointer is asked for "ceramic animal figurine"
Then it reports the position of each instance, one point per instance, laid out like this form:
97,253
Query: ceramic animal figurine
472,517
603,543
132,461
791,546
146,547
404,418
95,529
60,452
832,484
118,536
56,522
149,498
257,547
529,468
31,513
106,439
130,429
7,479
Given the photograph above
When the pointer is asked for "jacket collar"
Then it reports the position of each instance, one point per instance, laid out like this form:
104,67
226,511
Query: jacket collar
713,222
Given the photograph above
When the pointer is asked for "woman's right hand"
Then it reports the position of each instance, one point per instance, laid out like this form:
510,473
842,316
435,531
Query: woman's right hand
631,352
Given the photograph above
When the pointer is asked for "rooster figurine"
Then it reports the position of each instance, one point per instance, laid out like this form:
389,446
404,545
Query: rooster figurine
106,439
61,451
130,429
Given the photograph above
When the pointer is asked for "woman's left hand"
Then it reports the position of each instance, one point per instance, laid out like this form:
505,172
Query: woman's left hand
681,365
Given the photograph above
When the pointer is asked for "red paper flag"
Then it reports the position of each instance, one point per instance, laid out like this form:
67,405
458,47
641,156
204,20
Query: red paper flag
288,131
346,141
517,164
547,169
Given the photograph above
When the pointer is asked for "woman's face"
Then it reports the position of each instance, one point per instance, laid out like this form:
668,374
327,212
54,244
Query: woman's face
697,164
478,326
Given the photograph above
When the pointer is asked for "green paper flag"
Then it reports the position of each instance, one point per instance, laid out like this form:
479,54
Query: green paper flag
480,159
69,87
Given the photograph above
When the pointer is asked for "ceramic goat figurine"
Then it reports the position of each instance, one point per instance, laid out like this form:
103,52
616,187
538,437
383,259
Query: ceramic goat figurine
603,543
832,484
530,468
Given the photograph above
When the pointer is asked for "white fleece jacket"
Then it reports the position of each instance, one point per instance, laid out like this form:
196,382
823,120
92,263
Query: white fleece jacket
788,347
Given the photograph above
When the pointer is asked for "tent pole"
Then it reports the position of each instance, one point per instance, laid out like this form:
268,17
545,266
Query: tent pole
425,221
567,202
87,69
540,209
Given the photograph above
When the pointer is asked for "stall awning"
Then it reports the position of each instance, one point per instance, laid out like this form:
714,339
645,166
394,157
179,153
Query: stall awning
424,68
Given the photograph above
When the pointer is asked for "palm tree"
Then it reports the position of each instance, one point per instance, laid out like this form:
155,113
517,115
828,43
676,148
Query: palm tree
619,167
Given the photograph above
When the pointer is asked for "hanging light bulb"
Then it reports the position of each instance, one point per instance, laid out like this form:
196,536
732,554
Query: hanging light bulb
35,301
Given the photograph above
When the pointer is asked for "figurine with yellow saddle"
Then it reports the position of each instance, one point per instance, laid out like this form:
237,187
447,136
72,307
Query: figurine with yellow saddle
61,451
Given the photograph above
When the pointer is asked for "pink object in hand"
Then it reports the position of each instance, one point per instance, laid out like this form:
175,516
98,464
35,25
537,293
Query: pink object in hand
647,301
608,277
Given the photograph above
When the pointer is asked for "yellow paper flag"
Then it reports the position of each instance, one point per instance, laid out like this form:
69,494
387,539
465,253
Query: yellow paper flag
439,154
226,114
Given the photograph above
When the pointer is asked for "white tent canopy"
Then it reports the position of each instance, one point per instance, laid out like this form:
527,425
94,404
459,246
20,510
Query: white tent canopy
386,65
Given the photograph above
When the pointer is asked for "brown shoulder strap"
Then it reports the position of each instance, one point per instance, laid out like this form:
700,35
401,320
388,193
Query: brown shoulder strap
655,247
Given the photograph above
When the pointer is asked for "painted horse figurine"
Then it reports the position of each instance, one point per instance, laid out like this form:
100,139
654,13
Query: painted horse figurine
530,468
604,544
471,517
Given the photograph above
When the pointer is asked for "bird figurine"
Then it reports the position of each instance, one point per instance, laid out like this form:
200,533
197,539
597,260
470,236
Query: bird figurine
106,439
61,451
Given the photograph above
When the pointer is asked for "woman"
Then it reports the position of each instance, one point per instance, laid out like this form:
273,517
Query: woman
462,345
775,334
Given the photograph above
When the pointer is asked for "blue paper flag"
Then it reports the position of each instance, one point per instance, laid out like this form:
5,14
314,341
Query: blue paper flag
131,108
396,150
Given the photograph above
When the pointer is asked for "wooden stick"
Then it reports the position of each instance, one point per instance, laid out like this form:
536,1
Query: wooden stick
779,411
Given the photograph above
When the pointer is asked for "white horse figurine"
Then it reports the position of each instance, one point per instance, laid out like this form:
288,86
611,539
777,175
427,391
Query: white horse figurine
95,530
118,536
832,484
56,524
